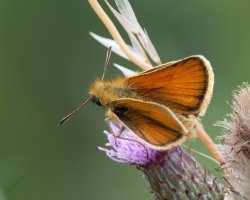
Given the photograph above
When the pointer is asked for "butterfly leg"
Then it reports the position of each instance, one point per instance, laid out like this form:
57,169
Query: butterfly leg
133,140
118,134
115,135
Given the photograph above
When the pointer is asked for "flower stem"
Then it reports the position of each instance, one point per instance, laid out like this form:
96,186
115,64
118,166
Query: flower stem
116,36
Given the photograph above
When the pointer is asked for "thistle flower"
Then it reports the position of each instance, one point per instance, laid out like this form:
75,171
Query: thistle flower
236,142
172,174
127,151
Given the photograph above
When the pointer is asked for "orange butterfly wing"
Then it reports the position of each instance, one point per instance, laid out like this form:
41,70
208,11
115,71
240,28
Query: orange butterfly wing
154,123
185,86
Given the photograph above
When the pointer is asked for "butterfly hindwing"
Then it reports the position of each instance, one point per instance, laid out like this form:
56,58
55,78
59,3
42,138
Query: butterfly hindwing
185,86
154,123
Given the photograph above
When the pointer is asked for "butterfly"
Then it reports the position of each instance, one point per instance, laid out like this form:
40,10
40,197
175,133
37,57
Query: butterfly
160,105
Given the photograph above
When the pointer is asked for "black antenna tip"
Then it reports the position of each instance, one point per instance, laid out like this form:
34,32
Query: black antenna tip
66,118
60,122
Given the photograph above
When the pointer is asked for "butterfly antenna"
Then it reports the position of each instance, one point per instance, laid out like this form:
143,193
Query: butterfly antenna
106,61
68,116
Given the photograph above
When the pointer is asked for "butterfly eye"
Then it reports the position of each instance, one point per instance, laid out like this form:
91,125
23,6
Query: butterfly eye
96,100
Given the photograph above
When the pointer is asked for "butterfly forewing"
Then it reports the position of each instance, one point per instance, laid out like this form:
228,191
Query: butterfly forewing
185,86
155,124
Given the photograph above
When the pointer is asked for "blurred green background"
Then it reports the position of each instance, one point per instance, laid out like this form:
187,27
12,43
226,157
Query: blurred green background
48,60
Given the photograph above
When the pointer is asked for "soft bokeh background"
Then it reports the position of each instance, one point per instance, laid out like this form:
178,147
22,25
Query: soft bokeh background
48,60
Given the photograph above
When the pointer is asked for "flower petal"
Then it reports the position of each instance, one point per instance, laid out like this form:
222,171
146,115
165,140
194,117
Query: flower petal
126,72
109,43
129,22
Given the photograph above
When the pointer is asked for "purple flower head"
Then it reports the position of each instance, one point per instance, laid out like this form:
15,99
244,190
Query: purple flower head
172,174
131,150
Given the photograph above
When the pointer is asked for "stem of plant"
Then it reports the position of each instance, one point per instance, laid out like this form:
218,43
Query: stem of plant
117,37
